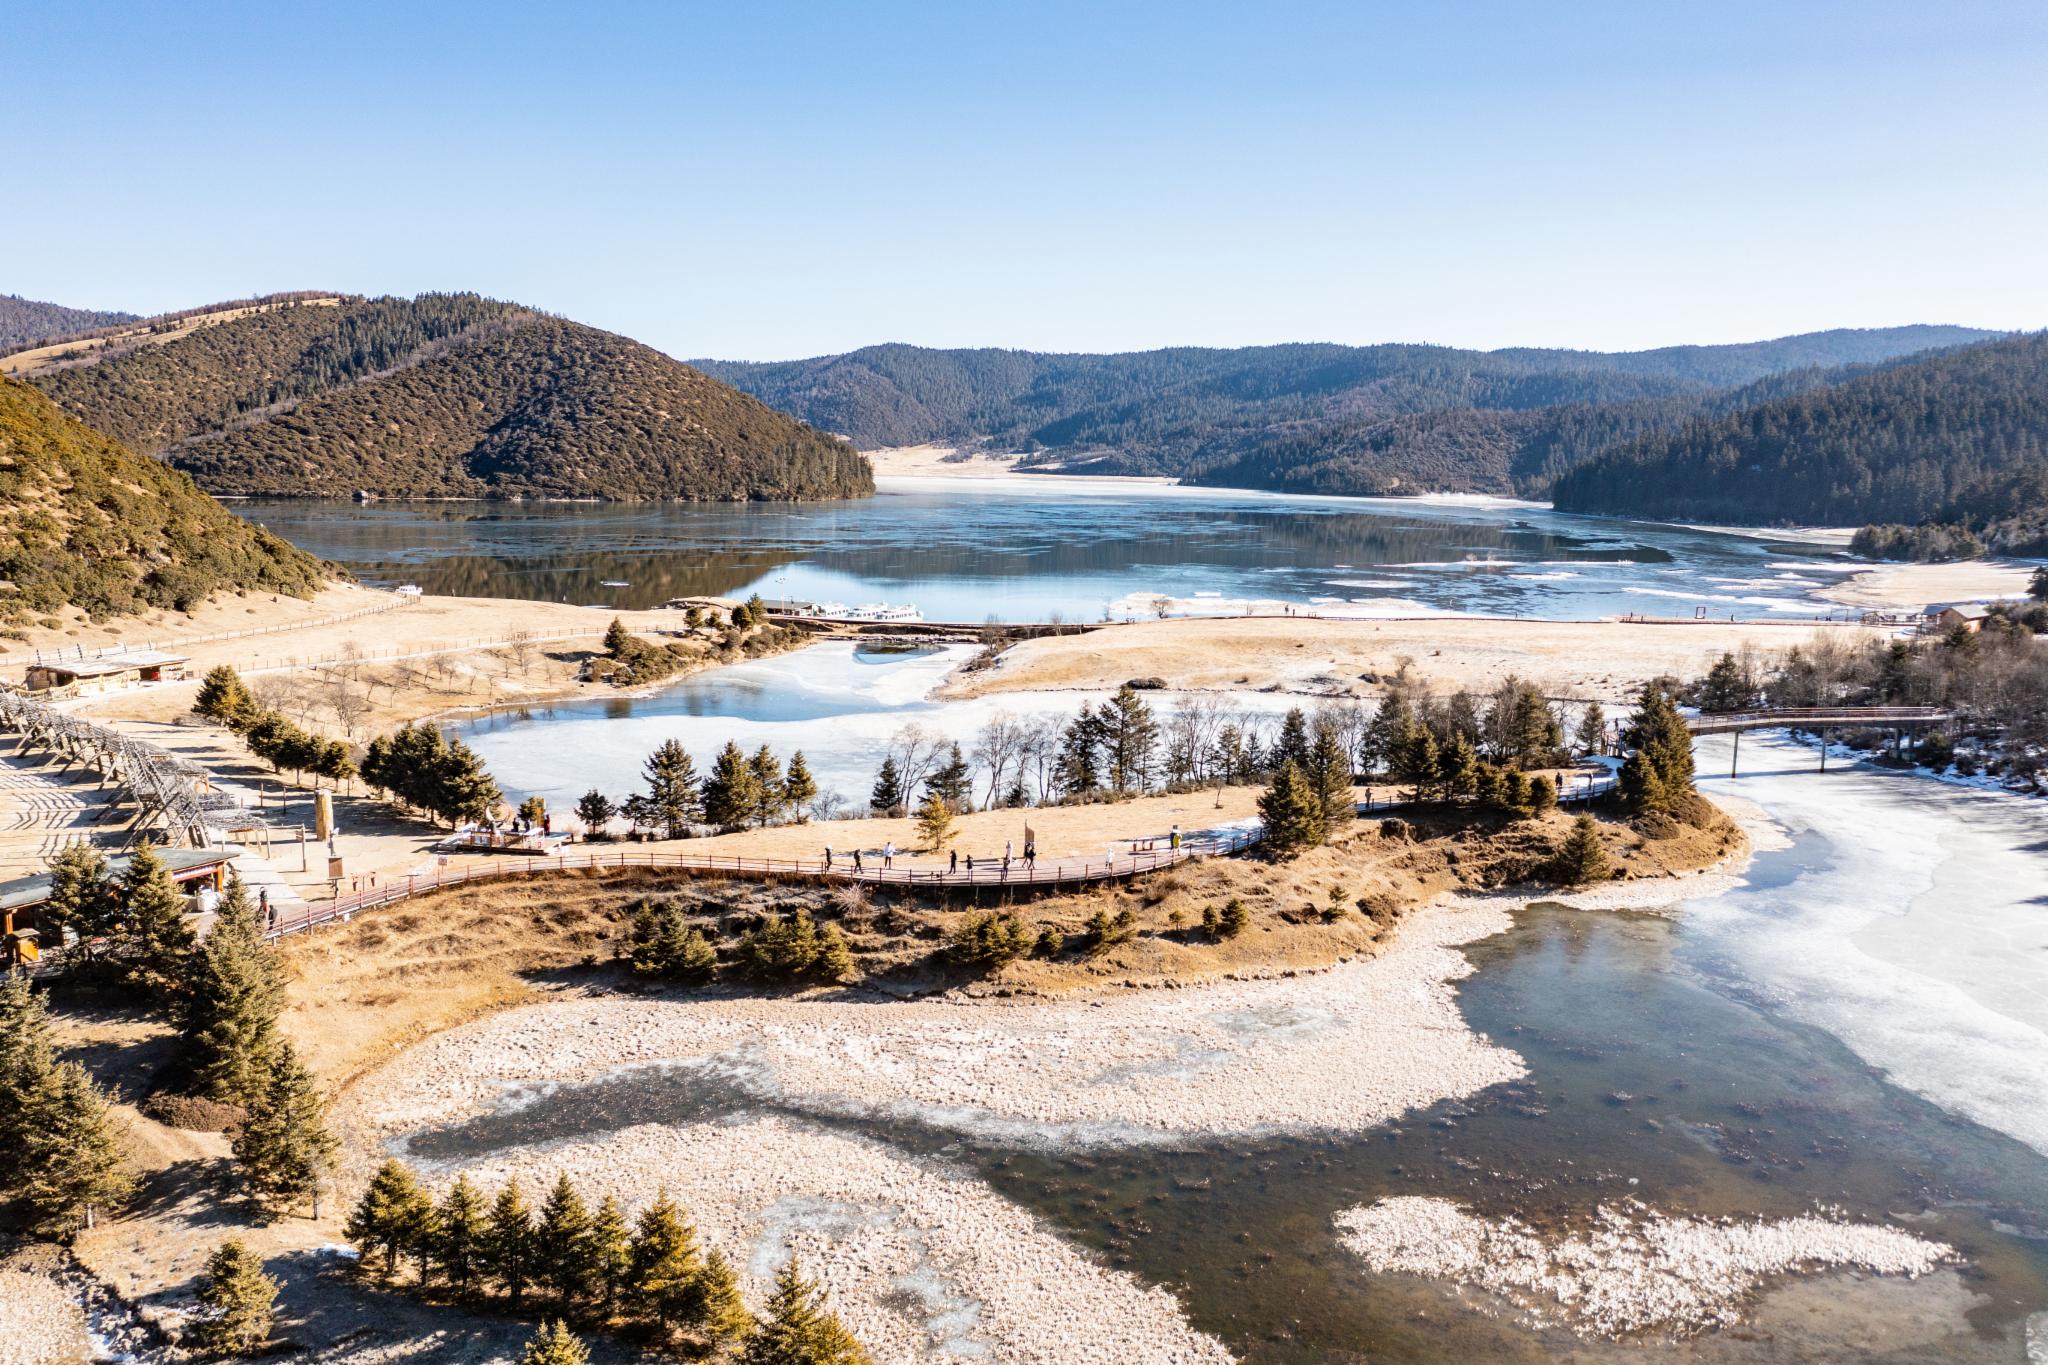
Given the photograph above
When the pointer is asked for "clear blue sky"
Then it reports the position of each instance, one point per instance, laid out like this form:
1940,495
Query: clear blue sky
765,180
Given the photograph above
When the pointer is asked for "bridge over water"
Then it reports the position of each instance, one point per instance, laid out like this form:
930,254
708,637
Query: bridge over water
1819,719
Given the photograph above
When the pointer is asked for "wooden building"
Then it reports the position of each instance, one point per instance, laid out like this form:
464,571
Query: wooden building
105,673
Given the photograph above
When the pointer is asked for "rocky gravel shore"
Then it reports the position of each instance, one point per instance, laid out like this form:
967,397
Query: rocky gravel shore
922,1262
1632,1270
1341,1050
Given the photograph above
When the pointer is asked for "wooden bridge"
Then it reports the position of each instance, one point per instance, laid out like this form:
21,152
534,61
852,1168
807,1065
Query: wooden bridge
1820,720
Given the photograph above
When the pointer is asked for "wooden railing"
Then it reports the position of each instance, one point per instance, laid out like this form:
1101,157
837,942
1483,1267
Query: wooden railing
985,873
1817,717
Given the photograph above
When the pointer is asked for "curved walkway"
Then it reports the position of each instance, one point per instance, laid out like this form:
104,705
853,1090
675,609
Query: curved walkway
1819,717
987,873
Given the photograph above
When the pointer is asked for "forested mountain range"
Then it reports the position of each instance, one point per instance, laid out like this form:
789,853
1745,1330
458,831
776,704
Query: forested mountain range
1958,437
25,322
1325,418
85,522
444,395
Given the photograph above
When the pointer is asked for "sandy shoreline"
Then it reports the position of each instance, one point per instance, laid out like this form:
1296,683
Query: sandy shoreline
1607,660
1913,587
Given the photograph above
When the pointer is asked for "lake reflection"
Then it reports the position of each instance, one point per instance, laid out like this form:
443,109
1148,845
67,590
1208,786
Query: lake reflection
1026,549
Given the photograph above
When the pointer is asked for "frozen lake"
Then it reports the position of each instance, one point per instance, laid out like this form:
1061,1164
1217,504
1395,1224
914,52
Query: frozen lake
1026,549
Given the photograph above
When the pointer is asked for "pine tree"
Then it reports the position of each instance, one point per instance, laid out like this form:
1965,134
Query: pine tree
1329,776
1658,772
799,1328
1078,766
595,810
84,901
611,1254
665,1263
1292,746
394,1216
28,1060
1416,761
799,788
225,698
729,795
1293,816
154,935
1130,740
835,958
239,1302
70,1157
462,788
1542,794
1387,734
887,795
564,1263
618,641
1725,688
554,1344
952,782
1234,920
461,1230
1592,733
508,1242
935,821
672,795
1457,768
229,1007
715,1307
1582,859
284,1147
765,786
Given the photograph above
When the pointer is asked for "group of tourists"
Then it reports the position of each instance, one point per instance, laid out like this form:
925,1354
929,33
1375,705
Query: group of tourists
858,863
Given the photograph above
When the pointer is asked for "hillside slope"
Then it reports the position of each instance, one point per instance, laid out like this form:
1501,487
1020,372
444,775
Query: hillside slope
1961,435
87,523
1335,418
447,396
26,322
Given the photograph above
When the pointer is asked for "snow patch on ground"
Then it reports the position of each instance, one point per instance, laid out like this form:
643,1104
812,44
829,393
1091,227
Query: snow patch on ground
1632,1270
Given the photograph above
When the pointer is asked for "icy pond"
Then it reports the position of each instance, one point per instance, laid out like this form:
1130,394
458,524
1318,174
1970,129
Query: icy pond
836,702
1857,1027
1025,549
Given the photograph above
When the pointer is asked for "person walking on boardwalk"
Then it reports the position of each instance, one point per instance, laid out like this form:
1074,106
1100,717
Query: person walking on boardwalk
1006,862
828,857
856,862
1174,840
889,854
1007,845
1030,855
953,863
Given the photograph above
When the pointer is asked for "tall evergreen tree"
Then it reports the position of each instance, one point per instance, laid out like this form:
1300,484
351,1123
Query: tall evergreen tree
394,1216
799,1328
665,1263
1592,733
799,788
715,1306
595,810
1292,814
1416,761
672,788
84,899
887,796
1387,734
155,936
1129,740
28,1060
952,782
729,793
1292,746
70,1158
460,1231
509,1252
1658,772
223,697
238,1302
565,1263
284,1147
765,772
611,1254
1078,767
1329,776
229,1007
1457,768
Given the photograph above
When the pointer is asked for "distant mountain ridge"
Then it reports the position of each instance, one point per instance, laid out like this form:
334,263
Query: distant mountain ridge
27,322
87,523
1960,436
445,395
1326,418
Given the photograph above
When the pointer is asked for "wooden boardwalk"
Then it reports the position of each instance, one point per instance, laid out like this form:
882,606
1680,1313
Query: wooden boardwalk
1820,718
987,873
